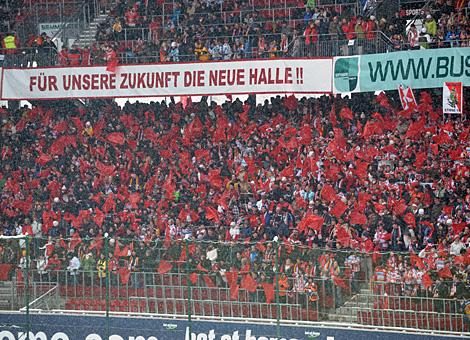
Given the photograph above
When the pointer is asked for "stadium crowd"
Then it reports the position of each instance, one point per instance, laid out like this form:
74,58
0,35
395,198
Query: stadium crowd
338,181
196,32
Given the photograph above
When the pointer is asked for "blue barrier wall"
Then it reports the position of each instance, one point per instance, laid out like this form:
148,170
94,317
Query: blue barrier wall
67,327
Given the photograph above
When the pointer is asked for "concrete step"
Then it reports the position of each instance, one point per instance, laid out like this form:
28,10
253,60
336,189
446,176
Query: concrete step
88,39
342,318
87,36
359,304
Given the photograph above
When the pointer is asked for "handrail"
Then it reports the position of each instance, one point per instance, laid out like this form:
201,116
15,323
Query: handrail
66,23
55,288
242,12
417,298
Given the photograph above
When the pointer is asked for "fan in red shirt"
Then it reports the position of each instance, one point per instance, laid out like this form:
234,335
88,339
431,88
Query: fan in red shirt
111,59
132,17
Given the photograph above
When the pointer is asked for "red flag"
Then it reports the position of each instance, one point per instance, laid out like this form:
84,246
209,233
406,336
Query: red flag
192,248
96,243
63,244
167,242
420,158
212,214
117,251
346,113
399,207
268,291
407,98
342,237
201,268
416,128
75,241
371,128
417,261
340,282
19,275
106,170
333,120
124,274
43,159
447,209
202,154
290,103
134,200
231,277
99,217
164,267
311,221
109,204
112,61
61,126
234,292
427,281
116,138
339,208
208,281
368,246
120,253
357,218
183,255
5,271
458,227
77,122
193,278
445,273
328,193
410,219
287,171
249,283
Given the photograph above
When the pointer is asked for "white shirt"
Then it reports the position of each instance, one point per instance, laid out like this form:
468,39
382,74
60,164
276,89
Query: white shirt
455,248
74,265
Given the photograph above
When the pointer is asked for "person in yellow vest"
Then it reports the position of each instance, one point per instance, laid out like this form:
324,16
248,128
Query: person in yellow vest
10,43
205,55
198,49
101,267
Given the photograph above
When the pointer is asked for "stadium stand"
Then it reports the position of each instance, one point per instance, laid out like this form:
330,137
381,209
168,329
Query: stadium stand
177,31
339,197
323,208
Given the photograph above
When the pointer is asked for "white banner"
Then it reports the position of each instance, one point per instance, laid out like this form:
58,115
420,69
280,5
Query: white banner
50,28
214,78
452,97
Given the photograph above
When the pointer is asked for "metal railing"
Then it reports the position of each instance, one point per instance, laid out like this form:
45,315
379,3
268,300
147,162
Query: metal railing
81,20
292,15
30,57
46,12
47,301
277,281
270,7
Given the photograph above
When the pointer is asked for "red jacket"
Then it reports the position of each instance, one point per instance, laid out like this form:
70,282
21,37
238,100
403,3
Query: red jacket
369,29
311,35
